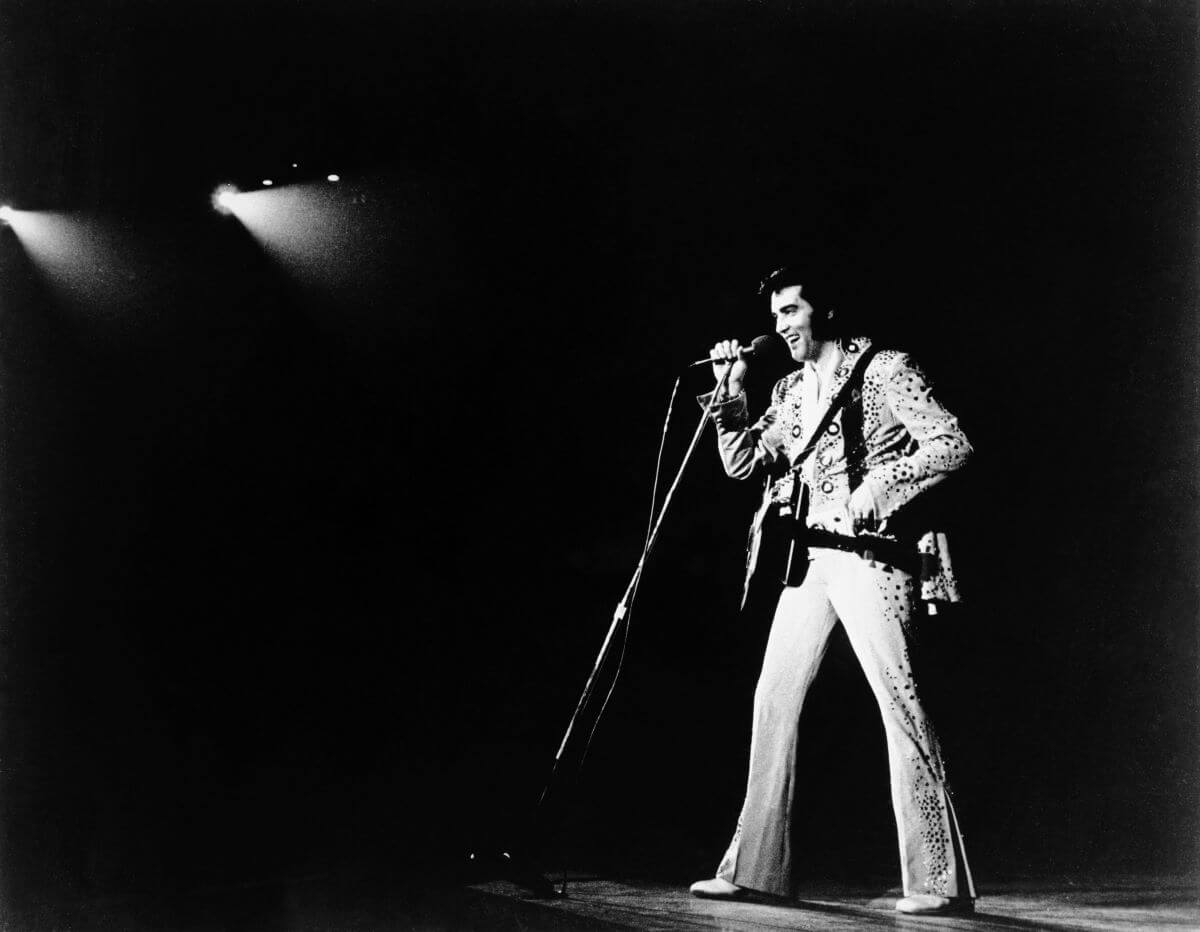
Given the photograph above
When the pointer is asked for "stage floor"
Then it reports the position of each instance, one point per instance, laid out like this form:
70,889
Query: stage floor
377,898
1121,906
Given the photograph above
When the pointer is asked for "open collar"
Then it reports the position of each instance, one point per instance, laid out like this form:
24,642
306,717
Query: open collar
852,350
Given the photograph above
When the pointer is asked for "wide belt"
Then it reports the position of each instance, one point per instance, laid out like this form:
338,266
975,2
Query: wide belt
872,547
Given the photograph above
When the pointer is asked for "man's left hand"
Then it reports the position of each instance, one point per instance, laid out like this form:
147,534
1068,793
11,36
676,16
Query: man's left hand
862,509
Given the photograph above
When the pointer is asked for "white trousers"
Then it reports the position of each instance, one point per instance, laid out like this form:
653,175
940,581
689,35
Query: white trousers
875,604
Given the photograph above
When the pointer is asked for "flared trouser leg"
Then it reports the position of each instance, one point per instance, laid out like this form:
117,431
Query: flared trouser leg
760,855
875,604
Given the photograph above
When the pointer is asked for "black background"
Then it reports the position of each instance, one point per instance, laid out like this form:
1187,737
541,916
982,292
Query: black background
304,566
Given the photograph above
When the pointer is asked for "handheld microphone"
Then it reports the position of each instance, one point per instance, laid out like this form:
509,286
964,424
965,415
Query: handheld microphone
758,347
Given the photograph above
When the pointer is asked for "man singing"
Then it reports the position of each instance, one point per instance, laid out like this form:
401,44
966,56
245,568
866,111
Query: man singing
851,442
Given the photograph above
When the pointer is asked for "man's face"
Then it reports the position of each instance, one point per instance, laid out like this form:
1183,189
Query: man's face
793,321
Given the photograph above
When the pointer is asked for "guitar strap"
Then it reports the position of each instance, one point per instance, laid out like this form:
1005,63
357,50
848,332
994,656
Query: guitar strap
797,563
799,504
838,402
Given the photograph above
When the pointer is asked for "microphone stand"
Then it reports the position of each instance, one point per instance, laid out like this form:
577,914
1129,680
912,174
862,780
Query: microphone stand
520,869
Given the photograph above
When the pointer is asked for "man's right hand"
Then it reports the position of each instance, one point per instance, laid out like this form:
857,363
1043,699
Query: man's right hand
724,354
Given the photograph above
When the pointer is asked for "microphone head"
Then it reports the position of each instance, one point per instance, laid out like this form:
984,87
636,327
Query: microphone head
761,345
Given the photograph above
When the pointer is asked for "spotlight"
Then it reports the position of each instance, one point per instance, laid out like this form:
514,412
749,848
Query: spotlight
224,198
267,182
6,213
333,177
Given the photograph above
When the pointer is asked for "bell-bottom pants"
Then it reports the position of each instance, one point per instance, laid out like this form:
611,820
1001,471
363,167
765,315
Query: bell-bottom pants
875,604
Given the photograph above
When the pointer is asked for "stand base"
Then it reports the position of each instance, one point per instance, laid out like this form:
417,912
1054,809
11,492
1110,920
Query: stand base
520,869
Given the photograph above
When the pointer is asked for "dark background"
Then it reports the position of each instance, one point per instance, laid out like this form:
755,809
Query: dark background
303,569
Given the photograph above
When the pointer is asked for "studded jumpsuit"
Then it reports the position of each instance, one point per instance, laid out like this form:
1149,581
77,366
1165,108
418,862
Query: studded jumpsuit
895,438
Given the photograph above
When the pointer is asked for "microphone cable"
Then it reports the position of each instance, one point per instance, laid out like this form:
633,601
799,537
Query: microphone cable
624,607
628,619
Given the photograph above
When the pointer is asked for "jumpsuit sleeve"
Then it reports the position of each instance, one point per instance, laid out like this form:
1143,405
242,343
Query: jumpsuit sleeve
742,445
938,447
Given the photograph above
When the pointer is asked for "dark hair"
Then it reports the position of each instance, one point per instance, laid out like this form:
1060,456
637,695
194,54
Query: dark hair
824,326
781,278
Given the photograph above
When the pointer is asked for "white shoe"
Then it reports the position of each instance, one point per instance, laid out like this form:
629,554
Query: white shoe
926,904
717,889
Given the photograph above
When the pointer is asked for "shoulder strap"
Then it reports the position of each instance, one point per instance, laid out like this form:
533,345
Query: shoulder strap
839,400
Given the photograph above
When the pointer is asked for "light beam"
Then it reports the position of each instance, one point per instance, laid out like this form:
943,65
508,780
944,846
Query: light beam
107,275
